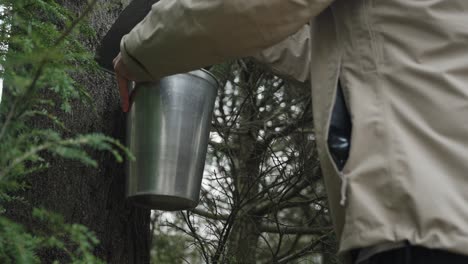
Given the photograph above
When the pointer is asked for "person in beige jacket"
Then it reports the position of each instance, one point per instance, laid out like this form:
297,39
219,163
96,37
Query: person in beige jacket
402,195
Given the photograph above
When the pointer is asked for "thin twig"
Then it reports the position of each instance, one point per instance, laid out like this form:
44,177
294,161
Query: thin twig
304,251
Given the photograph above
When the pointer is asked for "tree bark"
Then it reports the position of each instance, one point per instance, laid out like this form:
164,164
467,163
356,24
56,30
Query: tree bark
89,196
242,246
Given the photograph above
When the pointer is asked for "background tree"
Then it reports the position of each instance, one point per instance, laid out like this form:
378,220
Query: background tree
51,142
263,200
169,246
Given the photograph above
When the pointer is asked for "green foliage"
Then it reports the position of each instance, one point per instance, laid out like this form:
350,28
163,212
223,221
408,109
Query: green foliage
171,249
19,246
16,245
40,51
64,234
42,54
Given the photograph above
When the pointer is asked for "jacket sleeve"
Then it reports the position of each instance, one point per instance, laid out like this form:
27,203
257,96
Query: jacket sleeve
183,35
291,57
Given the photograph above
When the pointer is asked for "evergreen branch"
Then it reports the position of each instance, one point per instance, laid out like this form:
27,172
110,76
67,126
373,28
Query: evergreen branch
75,142
42,64
75,23
33,151
59,41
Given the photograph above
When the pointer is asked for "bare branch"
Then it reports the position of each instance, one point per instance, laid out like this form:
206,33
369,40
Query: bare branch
302,252
209,215
293,230
264,207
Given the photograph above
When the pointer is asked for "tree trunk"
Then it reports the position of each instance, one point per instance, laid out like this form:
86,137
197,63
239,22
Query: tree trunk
243,242
244,237
89,196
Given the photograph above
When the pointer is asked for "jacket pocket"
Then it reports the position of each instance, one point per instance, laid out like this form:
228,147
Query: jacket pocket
339,138
339,131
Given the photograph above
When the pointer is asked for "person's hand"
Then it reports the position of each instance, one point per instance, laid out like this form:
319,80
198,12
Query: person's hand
123,78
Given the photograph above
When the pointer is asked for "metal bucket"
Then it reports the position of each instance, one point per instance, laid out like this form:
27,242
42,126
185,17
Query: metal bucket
168,132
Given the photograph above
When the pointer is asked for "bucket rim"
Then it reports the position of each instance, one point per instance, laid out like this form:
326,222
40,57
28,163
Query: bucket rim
201,73
206,75
149,199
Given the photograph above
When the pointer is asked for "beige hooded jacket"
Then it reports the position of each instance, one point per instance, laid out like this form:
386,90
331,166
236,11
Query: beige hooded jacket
403,65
